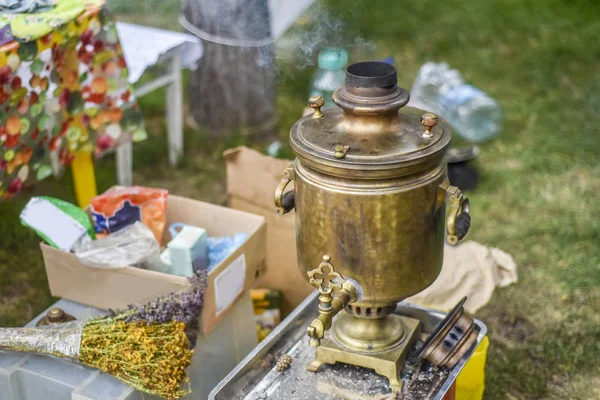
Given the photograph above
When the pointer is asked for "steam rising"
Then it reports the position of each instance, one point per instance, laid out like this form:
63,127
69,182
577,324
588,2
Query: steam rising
316,30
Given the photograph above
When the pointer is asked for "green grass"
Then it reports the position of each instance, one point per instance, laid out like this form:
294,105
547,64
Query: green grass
540,182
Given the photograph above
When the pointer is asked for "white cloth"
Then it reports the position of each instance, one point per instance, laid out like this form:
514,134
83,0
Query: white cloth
469,269
144,45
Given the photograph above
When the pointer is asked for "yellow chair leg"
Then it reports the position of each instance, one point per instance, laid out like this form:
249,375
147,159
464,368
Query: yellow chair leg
84,177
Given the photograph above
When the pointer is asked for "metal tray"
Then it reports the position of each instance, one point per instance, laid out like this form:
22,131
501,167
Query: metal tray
251,375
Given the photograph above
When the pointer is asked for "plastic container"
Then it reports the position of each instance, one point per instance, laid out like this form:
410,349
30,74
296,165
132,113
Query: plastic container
474,115
470,384
330,75
32,377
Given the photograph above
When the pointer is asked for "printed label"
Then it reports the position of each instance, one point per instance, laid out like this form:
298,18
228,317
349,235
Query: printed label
230,283
121,218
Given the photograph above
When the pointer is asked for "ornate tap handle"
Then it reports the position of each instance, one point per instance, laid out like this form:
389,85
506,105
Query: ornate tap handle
325,278
284,201
336,292
458,220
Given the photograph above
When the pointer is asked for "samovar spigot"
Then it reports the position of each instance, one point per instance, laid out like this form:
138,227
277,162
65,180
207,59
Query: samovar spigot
336,292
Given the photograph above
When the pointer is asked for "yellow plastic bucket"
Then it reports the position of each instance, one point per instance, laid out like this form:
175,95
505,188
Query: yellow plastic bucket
470,382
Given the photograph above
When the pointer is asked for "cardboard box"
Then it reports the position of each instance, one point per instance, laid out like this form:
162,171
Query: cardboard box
251,181
116,288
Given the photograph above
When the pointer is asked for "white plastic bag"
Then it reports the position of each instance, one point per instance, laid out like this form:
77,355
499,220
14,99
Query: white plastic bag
134,245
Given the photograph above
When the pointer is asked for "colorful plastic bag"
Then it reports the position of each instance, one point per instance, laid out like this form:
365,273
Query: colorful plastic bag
121,207
134,245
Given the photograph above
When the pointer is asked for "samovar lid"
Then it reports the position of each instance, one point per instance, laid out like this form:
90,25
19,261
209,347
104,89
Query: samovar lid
371,133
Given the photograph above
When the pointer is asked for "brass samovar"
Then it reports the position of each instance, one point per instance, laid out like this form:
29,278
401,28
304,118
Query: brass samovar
370,193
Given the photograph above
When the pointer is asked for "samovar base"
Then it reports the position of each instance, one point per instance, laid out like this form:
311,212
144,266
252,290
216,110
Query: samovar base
386,363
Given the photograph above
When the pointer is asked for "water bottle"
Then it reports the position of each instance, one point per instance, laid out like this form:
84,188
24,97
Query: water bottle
330,75
473,115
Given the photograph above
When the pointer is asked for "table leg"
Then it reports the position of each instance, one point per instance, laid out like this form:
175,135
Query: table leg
175,111
84,177
125,164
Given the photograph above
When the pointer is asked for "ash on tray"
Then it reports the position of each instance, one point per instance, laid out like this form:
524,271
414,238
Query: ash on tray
424,380
345,382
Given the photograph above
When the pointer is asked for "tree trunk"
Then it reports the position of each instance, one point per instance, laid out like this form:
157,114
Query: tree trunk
232,91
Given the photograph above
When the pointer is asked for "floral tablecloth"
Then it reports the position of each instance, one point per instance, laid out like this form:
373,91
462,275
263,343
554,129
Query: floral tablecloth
63,88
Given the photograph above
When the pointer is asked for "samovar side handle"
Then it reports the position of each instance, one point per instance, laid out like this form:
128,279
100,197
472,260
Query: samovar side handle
285,201
458,220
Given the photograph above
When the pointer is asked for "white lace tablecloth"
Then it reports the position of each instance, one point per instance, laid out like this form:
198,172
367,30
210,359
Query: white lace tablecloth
143,46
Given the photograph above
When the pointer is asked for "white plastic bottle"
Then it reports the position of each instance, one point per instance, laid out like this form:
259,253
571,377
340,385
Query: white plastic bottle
473,115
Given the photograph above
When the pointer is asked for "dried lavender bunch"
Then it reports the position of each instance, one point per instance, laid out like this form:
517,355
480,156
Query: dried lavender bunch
183,306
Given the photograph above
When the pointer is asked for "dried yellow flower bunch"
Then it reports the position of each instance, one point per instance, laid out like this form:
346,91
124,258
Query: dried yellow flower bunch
149,357
145,346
